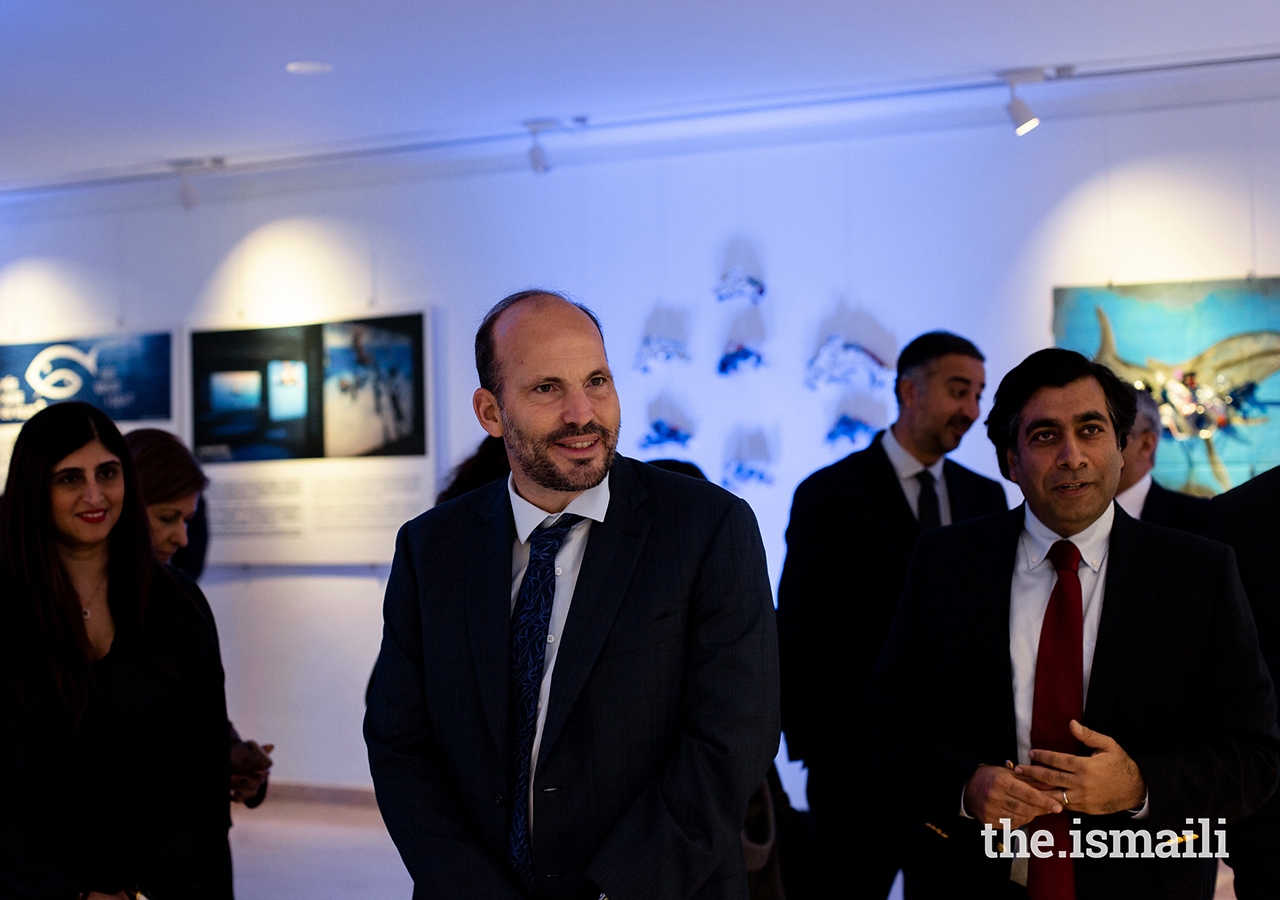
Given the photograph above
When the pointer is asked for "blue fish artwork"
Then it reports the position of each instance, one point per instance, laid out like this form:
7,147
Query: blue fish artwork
737,356
736,284
841,361
857,431
663,432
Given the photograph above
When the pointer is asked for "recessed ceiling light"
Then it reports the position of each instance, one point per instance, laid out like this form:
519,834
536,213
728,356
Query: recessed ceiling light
308,67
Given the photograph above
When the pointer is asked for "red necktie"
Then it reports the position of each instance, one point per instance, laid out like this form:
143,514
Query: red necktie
1059,698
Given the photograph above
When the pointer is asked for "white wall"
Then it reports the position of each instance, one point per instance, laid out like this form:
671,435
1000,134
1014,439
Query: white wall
967,230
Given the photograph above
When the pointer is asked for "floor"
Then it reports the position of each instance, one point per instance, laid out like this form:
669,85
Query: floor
290,850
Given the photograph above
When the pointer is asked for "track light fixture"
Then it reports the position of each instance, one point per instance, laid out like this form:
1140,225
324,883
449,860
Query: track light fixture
1023,118
537,155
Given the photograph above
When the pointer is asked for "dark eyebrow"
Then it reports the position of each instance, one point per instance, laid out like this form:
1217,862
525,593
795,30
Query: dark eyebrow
1092,416
1041,423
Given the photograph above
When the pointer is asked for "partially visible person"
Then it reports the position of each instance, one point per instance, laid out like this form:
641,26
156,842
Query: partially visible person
1248,518
488,463
111,699
172,482
1070,669
1139,494
853,526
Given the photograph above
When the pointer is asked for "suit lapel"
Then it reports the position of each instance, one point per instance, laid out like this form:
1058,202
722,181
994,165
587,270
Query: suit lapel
487,599
613,550
993,581
1125,596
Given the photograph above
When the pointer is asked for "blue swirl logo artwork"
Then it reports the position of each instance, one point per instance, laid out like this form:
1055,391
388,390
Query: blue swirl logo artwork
857,431
126,376
737,356
663,432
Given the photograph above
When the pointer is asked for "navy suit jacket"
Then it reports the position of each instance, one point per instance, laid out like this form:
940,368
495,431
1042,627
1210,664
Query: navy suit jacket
848,545
663,712
1177,681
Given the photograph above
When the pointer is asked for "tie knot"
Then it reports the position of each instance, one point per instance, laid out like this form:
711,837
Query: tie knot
553,535
925,477
1065,556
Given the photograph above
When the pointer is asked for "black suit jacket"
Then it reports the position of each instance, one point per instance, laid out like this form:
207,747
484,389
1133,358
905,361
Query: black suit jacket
1177,680
1248,518
663,711
848,545
1174,509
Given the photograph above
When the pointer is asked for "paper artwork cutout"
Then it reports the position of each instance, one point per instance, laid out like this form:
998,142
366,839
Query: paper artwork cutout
654,350
737,356
857,431
841,361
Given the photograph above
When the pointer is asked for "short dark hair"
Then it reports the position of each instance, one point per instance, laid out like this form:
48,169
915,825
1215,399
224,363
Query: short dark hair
1053,367
926,348
486,363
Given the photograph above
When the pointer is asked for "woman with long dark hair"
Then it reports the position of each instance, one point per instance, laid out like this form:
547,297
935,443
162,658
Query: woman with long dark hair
111,700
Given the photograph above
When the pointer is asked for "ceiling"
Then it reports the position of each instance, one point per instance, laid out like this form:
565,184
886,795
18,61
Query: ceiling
105,88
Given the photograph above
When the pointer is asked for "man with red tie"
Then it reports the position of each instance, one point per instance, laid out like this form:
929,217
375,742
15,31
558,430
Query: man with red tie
1067,670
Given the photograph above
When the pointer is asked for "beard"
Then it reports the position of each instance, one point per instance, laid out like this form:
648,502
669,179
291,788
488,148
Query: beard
532,455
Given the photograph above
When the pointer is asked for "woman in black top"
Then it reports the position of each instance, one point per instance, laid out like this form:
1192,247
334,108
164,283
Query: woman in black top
112,714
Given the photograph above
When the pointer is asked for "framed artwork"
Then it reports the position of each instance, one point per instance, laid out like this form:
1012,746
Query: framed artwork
1207,351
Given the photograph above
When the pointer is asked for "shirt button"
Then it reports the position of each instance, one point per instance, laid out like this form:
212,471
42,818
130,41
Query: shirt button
497,799
558,571
551,639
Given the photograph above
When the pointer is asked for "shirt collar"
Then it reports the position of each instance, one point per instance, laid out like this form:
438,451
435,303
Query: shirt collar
906,465
1134,497
1092,543
592,503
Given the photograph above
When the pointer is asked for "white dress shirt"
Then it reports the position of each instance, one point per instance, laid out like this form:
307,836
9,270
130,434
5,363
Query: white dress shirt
908,467
1134,497
1033,581
592,505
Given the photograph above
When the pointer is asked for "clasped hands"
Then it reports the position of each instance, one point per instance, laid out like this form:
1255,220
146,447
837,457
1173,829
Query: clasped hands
1106,781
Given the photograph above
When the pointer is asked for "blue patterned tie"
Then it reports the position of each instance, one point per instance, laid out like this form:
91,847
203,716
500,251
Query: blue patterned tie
529,624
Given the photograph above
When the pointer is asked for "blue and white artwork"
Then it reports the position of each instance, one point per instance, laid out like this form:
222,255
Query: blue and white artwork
655,350
736,284
748,458
663,432
737,357
842,361
127,376
856,431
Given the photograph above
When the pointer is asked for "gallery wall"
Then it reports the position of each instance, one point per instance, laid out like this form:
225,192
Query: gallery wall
877,239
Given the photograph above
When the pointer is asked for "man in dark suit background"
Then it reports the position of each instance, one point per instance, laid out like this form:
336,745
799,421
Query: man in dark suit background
853,526
578,705
1138,494
1248,518
1114,662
